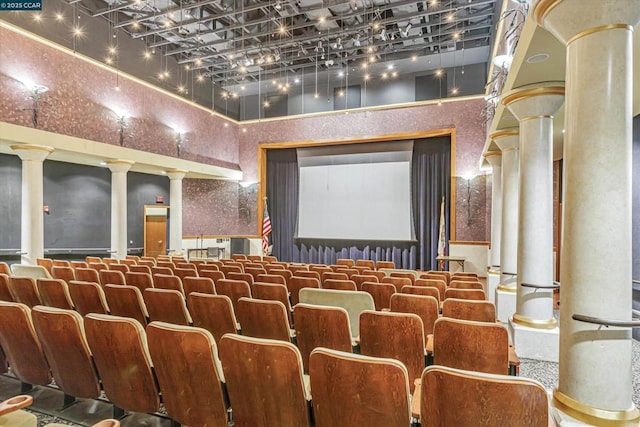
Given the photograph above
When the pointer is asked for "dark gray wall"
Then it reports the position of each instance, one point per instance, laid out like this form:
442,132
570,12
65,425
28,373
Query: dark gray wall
142,190
11,190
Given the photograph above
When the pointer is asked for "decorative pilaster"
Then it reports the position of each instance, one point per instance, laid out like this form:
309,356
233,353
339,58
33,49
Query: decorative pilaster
493,274
119,169
175,215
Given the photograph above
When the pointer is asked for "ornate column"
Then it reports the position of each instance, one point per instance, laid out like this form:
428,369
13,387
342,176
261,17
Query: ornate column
119,169
595,361
32,221
534,329
175,215
507,141
493,274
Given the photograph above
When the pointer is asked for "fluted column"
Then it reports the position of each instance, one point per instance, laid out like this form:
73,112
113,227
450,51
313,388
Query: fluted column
534,108
175,216
119,169
595,361
32,221
495,160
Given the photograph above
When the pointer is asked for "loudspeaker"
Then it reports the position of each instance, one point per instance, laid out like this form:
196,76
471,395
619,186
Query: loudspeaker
240,246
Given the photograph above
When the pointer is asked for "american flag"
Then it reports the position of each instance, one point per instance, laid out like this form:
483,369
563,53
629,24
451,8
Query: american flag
266,229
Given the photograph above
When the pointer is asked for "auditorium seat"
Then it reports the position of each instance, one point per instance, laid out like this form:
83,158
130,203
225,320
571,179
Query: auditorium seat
425,291
397,336
55,293
237,257
460,274
425,307
350,272
110,261
437,275
166,264
147,259
192,392
33,271
365,263
254,271
381,387
79,264
384,264
126,371
359,279
453,397
254,257
332,275
310,274
473,294
464,309
165,281
4,269
295,268
141,281
406,275
381,293
46,263
122,268
166,305
24,290
5,294
187,265
61,333
87,275
398,282
227,268
98,266
147,263
435,283
161,270
353,302
129,261
286,274
212,274
241,276
94,259
21,345
185,272
264,381
473,346
273,292
346,262
126,301
269,259
213,313
379,274
271,278
234,289
263,319
320,269
318,326
139,269
88,297
296,283
456,284
339,284
112,277
198,284
274,267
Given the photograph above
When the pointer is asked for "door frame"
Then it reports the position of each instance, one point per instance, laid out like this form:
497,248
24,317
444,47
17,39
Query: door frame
144,224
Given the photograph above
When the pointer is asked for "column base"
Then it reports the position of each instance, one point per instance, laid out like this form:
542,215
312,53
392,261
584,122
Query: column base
569,412
493,280
535,343
505,303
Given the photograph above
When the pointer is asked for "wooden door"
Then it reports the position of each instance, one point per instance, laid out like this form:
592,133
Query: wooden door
155,235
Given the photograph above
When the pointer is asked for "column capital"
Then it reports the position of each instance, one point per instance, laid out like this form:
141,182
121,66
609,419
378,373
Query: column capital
176,174
506,139
569,20
540,100
119,165
494,158
32,152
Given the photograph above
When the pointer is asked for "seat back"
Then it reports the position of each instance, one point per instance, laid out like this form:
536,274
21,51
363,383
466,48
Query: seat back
61,333
188,265
346,262
339,284
112,277
203,285
461,274
405,274
465,309
65,273
94,259
122,268
381,293
426,291
126,372
79,264
296,283
126,301
234,289
318,326
24,290
311,274
264,381
354,302
365,263
191,392
165,281
226,268
166,305
359,279
213,313
273,292
295,268
110,261
254,271
99,266
185,272
214,275
263,319
141,281
139,269
384,264
241,276
4,269
161,270
88,297
445,399
237,257
45,262
397,336
166,264
33,271
425,307
473,294
5,293
55,293
398,282
87,275
21,345
437,275
441,285
466,284
473,346
271,278
332,275
382,387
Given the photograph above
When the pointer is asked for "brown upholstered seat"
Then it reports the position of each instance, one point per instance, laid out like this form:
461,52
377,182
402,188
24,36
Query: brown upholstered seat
273,292
88,297
311,274
87,275
112,277
166,305
94,259
141,281
380,390
161,270
61,333
139,269
318,326
213,313
332,275
166,264
434,283
79,264
465,309
192,392
122,268
65,273
130,260
453,397
98,266
55,293
188,265
5,294
339,284
264,381
147,259
146,262
263,319
46,263
473,346
4,269
348,271
460,274
273,267
126,301
296,283
295,268
241,276
254,257
24,290
320,269
397,336
214,275
185,272
381,293
209,265
426,291
398,282
271,278
437,275
379,274
426,307
346,262
165,281
366,263
406,275
473,294
286,274
203,285
228,268
21,345
385,264
110,261
466,284
359,279
126,374
234,289
270,259
237,257
254,271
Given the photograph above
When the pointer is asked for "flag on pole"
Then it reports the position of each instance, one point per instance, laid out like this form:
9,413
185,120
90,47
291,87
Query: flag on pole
442,235
266,229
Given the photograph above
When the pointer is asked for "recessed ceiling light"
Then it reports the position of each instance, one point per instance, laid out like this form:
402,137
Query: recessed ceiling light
540,57
103,163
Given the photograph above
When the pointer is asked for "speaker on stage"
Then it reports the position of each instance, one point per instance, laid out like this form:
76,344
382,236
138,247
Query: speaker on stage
240,246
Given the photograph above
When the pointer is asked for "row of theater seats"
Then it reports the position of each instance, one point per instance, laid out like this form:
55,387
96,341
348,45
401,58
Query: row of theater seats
262,381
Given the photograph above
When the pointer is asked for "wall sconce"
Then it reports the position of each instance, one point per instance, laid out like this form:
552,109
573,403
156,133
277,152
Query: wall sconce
468,178
122,123
36,97
181,138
